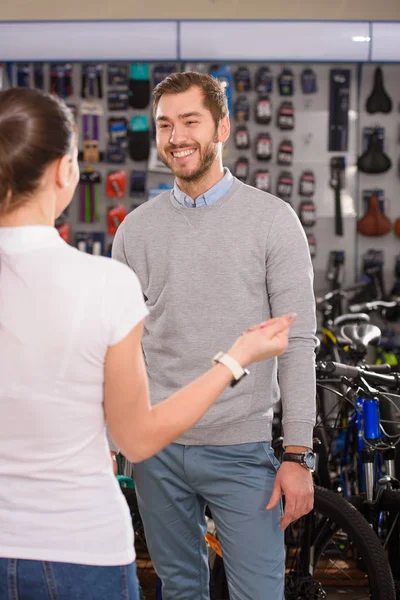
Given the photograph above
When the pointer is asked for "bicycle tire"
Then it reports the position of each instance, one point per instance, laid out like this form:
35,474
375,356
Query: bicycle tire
346,517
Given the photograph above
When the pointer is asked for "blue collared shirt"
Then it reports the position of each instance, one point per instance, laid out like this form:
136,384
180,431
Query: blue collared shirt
212,195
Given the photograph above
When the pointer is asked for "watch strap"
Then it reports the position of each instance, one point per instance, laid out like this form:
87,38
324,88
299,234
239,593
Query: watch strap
232,364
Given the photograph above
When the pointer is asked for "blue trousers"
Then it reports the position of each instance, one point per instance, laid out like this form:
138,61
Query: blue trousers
37,580
236,483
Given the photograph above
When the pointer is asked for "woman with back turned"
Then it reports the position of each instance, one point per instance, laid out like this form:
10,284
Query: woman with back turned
70,361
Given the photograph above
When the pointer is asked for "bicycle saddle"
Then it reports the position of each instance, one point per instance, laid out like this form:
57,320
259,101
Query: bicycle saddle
374,222
361,336
379,100
356,318
374,160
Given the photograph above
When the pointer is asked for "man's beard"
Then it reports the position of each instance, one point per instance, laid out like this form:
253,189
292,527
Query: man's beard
207,157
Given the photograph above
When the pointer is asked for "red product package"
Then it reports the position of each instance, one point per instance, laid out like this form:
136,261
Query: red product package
116,215
116,184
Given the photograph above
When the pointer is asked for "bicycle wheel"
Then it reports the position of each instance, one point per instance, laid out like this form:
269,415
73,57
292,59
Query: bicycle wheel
332,547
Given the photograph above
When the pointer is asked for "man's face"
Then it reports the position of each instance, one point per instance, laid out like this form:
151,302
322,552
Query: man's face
187,139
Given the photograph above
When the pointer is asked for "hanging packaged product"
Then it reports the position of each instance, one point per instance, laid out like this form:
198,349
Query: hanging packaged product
115,216
61,80
308,81
138,184
139,85
89,192
118,130
284,187
116,154
374,222
117,100
91,243
264,81
286,83
23,75
263,146
263,109
241,170
242,138
285,116
242,109
91,113
160,72
262,180
116,184
339,106
366,195
242,79
285,153
92,81
312,244
139,138
373,160
117,75
64,231
223,73
307,213
307,184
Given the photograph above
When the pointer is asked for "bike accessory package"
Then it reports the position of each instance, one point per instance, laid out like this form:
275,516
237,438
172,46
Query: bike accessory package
264,146
366,134
116,153
373,160
61,80
139,138
308,81
374,222
339,105
116,184
242,138
224,74
262,180
91,152
91,243
242,169
264,81
117,75
23,75
118,130
286,83
92,81
338,167
115,216
285,153
138,184
160,72
285,116
307,213
89,193
242,79
312,244
242,109
378,101
263,109
139,85
38,76
307,184
284,187
117,100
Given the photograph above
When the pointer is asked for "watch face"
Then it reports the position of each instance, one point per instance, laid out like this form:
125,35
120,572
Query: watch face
309,459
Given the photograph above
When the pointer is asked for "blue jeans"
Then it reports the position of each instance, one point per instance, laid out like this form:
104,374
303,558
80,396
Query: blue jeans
236,483
37,580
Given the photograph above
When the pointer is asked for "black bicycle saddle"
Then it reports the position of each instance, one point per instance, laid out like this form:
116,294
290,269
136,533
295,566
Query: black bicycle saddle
361,336
379,100
374,160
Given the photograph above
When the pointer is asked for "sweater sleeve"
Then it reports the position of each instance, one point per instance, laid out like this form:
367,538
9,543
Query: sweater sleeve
289,278
118,246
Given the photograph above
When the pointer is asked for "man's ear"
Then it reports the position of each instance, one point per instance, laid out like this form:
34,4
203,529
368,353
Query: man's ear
224,129
64,171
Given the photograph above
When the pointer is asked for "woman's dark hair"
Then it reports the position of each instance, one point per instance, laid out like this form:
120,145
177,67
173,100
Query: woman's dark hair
35,129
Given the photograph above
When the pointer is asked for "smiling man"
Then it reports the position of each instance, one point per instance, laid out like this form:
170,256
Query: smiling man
215,256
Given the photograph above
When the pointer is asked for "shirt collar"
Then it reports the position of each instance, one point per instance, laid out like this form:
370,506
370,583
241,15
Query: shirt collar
210,196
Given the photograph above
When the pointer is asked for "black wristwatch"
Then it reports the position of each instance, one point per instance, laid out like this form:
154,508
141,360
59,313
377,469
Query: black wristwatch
305,459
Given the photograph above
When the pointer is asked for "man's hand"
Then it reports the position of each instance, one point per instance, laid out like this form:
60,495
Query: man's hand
115,464
295,482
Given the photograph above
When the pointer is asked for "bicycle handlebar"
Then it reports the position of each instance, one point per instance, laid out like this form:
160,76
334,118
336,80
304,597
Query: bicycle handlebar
373,376
373,305
340,292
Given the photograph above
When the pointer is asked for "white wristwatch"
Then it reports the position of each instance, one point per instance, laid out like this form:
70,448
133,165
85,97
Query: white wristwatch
235,368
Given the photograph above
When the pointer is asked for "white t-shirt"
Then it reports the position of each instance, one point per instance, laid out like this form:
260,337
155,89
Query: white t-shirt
60,310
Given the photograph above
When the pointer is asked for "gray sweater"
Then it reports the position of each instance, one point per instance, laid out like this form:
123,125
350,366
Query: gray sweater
208,274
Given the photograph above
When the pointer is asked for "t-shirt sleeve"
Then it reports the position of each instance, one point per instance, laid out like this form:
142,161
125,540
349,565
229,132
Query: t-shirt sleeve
124,305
